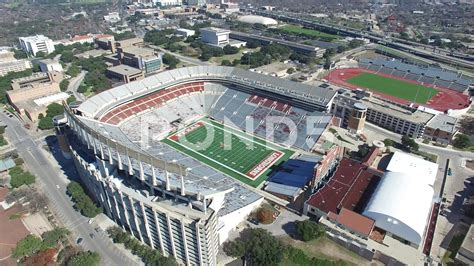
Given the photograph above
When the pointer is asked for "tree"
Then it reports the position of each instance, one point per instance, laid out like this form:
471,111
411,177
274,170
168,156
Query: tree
73,70
40,54
226,62
327,63
45,123
265,215
27,246
44,257
19,54
228,49
409,143
388,142
64,84
257,247
308,230
54,109
67,56
82,201
461,141
70,99
87,258
252,44
170,60
466,125
53,237
291,70
20,177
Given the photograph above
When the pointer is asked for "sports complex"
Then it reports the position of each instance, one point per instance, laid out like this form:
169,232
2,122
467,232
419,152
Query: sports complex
406,84
180,158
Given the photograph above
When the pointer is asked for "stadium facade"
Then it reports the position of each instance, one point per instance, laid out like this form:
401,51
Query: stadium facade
164,198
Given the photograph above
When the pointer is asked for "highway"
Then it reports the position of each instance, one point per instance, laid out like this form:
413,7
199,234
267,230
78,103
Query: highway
50,178
396,43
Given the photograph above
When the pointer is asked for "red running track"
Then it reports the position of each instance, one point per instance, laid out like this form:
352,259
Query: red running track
445,98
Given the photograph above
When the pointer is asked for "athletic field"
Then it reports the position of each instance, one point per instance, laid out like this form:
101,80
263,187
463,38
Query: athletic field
401,89
228,150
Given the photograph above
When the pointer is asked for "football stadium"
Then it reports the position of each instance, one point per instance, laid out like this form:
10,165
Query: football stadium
406,84
179,158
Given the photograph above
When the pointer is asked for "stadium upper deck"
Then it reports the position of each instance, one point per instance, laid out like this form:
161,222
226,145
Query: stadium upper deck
319,98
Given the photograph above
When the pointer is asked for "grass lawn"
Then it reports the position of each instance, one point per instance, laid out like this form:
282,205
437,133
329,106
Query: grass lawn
243,157
308,32
394,87
325,248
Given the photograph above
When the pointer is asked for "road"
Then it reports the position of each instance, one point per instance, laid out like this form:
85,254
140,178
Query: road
49,178
183,58
74,84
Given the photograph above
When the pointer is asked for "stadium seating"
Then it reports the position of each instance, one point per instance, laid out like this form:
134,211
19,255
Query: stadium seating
426,74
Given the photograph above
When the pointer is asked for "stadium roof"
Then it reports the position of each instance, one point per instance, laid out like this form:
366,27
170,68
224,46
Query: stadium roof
402,201
414,166
252,19
401,205
102,102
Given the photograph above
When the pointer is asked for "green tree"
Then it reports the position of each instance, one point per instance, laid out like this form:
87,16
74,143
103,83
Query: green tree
45,123
82,201
53,237
40,54
409,143
64,84
388,142
170,60
20,177
308,230
85,258
20,54
291,70
70,99
226,62
461,141
73,70
27,246
54,109
257,246
252,44
228,49
67,56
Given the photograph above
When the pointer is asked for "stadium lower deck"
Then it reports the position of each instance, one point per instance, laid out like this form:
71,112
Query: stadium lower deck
178,111
445,99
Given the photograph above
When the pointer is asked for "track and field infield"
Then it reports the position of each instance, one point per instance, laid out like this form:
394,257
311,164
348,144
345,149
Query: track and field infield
242,156
398,88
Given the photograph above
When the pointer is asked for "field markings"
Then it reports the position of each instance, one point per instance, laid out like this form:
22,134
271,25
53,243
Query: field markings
175,139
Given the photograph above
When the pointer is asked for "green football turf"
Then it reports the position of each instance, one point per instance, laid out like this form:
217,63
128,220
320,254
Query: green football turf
394,87
235,162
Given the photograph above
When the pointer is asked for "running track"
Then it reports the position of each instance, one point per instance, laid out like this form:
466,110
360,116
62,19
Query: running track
445,98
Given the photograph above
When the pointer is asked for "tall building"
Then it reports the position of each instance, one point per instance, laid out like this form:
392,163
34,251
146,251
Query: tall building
196,2
215,36
37,43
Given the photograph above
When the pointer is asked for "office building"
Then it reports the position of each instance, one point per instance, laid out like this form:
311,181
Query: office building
125,73
50,65
142,58
38,43
215,36
8,63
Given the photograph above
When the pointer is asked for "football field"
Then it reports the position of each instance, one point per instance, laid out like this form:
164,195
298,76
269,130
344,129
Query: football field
228,150
394,87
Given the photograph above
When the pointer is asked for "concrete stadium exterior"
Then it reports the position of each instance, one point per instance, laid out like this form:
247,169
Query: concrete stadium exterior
185,210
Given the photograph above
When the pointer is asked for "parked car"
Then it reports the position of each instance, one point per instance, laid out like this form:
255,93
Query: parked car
254,221
79,240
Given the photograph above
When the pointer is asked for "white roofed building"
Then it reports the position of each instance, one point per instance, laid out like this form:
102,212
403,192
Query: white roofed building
403,199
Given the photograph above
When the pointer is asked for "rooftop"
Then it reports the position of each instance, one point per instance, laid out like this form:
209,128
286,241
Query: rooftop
346,188
443,122
138,51
216,30
36,38
354,221
124,70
